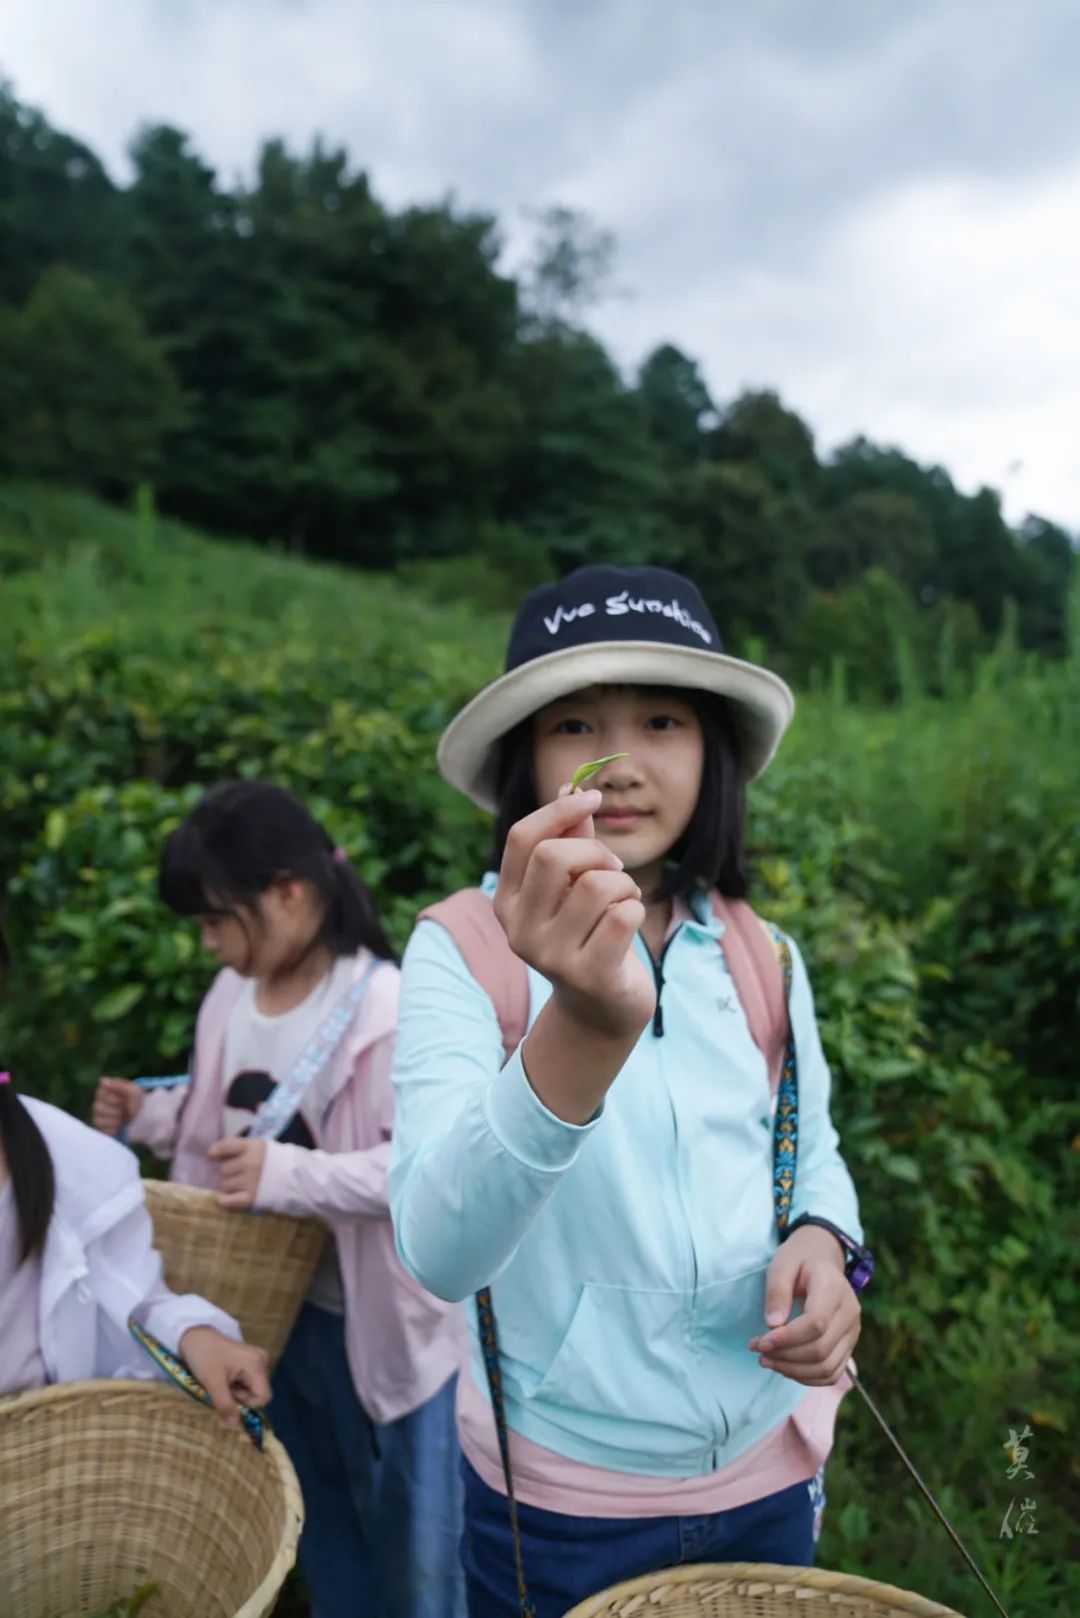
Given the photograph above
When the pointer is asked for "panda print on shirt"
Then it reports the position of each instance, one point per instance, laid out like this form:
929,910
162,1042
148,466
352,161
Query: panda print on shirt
243,1098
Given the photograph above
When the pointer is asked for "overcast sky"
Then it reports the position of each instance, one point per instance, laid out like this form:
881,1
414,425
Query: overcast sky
873,207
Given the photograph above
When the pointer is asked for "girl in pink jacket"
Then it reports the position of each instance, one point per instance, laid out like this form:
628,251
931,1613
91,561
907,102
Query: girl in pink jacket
289,1108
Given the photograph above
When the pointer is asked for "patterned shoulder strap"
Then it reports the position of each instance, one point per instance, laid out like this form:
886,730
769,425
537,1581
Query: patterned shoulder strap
280,1108
786,1121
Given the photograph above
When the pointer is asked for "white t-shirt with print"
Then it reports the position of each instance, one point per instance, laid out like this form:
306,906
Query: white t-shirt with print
260,1051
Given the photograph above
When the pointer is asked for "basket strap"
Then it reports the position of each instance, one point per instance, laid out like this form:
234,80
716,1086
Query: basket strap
489,1343
181,1376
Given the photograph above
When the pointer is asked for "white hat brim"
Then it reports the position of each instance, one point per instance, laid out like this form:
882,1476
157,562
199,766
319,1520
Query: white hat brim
762,705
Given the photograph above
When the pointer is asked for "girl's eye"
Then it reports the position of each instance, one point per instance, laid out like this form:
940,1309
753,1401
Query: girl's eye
570,727
662,721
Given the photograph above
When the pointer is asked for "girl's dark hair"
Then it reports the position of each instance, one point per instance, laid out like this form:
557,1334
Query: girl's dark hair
33,1180
711,852
244,836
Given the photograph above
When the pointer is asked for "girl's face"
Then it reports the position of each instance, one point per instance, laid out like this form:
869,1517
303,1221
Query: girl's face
649,796
268,938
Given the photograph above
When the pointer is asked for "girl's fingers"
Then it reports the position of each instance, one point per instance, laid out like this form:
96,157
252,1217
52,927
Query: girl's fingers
554,869
612,938
234,1201
223,1151
250,1381
809,1327
824,1374
816,1352
587,903
554,820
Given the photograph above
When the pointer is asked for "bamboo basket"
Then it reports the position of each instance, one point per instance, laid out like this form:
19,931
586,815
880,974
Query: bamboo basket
105,1486
757,1590
256,1267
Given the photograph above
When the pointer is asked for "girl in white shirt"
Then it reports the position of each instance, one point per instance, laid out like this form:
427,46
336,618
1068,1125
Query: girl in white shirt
77,1262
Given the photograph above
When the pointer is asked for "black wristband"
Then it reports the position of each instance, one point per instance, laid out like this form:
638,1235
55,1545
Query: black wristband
858,1261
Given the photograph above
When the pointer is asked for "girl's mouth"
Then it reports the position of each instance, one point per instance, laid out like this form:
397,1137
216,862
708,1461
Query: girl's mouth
620,819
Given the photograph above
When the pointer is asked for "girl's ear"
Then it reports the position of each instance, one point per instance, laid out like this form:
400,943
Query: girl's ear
290,891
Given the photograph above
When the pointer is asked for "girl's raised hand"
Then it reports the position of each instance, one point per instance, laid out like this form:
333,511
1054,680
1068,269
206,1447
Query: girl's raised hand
570,910
116,1104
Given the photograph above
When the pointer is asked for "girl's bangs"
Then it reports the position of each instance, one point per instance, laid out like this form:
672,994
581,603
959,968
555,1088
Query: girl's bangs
190,881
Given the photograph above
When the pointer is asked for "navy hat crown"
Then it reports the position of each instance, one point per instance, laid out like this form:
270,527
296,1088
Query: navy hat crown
599,604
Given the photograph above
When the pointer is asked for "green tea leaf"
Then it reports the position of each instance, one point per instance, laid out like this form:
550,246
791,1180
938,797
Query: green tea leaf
584,771
118,1003
131,1607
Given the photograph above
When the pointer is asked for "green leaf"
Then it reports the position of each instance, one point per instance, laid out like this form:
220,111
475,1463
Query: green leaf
584,771
903,1168
119,1002
56,825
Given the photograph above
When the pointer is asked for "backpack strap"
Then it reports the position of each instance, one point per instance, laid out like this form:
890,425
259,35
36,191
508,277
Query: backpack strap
469,917
753,958
759,960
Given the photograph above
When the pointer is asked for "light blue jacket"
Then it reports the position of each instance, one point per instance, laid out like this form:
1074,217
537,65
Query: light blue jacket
627,1258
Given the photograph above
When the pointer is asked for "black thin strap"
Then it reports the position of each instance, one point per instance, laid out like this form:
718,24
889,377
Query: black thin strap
489,1343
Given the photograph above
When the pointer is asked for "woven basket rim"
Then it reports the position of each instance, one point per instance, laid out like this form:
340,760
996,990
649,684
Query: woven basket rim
284,1558
198,1199
813,1578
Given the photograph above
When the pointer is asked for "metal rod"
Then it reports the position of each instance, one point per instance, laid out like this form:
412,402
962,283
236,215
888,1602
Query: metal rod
945,1523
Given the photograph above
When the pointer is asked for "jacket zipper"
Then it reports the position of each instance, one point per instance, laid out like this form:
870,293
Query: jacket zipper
658,977
657,965
658,1032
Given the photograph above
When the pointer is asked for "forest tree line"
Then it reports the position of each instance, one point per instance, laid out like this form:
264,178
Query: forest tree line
292,361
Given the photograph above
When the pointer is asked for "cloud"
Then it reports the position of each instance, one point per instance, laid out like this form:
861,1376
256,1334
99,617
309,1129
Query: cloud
865,206
943,316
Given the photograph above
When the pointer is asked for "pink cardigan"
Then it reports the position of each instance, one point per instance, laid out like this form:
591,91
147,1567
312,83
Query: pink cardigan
403,1344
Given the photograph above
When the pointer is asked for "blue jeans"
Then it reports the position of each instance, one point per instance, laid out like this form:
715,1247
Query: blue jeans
383,1503
569,1558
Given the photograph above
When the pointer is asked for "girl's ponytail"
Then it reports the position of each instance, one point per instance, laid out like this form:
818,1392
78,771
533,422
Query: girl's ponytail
352,922
33,1182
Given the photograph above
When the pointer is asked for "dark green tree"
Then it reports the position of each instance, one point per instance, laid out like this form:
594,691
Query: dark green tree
1048,559
675,402
571,269
57,204
86,396
875,528
744,542
758,428
584,475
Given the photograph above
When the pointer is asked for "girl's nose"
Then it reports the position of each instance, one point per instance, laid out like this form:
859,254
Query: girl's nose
619,775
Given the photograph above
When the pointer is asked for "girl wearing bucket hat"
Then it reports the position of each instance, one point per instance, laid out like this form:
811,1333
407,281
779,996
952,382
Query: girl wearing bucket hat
612,1120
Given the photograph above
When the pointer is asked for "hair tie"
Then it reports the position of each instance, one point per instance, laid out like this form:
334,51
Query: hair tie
339,856
5,1078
